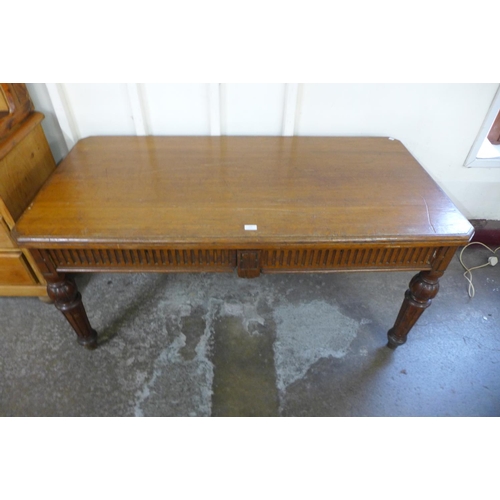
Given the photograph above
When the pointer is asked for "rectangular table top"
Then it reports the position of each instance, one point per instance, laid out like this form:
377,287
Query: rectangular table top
240,191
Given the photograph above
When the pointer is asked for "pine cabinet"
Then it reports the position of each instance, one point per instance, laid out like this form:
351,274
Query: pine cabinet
26,162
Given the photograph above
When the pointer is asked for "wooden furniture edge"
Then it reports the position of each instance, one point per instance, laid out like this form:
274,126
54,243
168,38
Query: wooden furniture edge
23,290
19,132
243,243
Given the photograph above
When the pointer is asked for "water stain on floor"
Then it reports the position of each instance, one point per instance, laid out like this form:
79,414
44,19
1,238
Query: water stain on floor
306,333
244,381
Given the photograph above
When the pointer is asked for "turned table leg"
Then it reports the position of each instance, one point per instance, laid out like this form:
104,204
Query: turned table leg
423,288
64,292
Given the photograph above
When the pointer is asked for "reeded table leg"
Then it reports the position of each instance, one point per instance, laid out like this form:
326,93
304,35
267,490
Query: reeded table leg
66,297
64,292
423,288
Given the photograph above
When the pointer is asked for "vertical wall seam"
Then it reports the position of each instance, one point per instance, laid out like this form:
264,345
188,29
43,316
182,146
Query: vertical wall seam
214,107
298,108
223,108
73,122
137,107
290,109
63,114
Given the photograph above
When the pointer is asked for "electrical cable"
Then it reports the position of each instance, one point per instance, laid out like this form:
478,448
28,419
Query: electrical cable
468,270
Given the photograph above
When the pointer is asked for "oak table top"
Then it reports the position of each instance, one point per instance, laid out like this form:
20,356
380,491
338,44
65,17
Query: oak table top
182,190
257,204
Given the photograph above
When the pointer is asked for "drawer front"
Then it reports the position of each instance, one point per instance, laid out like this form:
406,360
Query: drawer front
5,241
14,270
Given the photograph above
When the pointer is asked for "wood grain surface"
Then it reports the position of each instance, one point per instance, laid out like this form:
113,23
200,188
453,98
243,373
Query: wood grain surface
176,191
14,269
27,164
5,239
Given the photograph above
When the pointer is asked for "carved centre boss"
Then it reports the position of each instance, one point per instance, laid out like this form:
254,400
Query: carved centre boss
257,204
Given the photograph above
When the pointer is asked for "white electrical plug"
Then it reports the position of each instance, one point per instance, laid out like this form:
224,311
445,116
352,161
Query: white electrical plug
492,261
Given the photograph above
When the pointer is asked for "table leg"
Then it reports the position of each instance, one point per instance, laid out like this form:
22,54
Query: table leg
64,292
423,288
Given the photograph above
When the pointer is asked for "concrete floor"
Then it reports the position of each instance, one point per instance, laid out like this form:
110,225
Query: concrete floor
279,345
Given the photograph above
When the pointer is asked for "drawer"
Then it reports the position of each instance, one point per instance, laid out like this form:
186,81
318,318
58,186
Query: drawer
5,241
14,269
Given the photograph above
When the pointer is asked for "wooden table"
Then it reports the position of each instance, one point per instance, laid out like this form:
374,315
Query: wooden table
254,204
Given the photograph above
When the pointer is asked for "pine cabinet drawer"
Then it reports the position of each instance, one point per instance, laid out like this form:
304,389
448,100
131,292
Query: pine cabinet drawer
5,241
14,270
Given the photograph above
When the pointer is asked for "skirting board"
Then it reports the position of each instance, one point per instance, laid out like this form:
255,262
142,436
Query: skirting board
487,232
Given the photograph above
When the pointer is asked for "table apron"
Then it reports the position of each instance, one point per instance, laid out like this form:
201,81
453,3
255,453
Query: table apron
250,262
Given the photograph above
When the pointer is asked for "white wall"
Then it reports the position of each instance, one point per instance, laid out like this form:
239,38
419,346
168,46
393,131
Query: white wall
41,99
438,123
